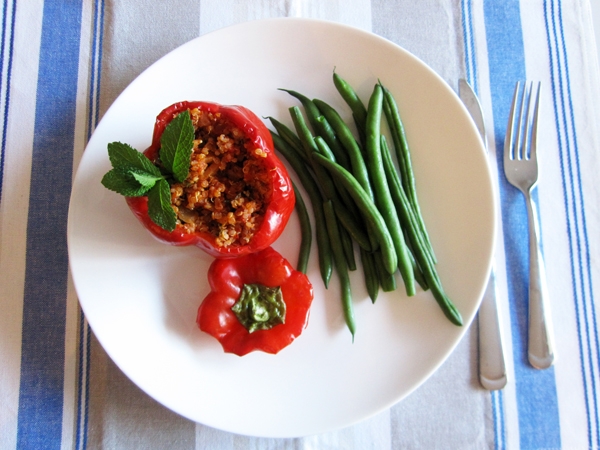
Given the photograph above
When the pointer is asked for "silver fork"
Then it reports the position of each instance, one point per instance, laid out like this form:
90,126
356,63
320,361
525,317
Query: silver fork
521,170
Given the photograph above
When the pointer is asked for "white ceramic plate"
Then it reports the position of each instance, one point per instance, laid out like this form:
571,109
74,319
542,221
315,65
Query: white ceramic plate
140,297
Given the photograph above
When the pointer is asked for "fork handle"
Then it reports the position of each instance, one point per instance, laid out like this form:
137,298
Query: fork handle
541,345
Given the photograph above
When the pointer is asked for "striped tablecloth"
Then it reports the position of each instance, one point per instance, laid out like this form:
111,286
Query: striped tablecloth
62,64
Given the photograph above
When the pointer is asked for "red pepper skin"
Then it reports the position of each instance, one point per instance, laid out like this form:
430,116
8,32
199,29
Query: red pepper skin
278,210
227,277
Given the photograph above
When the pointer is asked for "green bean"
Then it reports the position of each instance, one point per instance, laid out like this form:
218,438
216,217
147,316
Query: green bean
324,149
309,143
328,134
348,247
304,133
367,208
400,143
359,111
340,191
349,222
386,280
326,184
448,308
383,198
421,255
310,147
316,199
336,187
370,274
357,162
340,265
419,277
406,215
305,232
288,136
403,207
404,160
299,168
324,179
321,127
312,112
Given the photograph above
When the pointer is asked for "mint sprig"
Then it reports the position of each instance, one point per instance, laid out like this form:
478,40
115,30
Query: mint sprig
159,206
124,157
176,145
134,175
124,183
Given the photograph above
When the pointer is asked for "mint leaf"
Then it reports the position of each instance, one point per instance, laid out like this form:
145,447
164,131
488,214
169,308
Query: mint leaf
124,183
133,174
144,178
126,158
176,143
159,205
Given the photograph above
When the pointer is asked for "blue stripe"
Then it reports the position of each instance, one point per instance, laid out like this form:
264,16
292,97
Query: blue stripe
469,38
537,403
99,64
466,23
502,425
84,384
576,221
44,310
497,397
498,419
469,44
11,31
497,437
583,254
85,333
2,49
555,67
95,68
80,379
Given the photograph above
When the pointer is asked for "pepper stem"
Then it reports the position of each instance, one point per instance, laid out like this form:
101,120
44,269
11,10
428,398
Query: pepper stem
260,307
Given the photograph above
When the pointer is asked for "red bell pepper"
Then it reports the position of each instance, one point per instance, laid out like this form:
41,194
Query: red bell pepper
280,204
228,279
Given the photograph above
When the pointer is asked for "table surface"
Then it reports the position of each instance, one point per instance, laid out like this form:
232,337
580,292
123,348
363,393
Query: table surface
62,64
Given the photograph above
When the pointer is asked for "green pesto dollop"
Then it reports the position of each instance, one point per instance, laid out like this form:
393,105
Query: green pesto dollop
260,307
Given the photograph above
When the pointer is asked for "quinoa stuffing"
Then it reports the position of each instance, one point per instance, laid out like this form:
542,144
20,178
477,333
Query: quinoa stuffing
228,187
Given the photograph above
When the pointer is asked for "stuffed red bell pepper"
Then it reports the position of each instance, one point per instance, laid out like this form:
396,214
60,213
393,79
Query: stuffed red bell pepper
257,302
234,195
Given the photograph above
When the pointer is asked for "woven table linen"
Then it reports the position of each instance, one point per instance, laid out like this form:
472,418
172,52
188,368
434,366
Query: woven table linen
64,62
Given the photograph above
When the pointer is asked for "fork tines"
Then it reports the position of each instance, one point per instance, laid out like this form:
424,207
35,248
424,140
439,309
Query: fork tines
523,121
